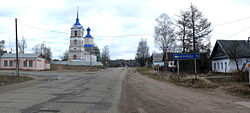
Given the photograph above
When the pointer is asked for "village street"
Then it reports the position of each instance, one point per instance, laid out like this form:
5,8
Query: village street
64,92
111,90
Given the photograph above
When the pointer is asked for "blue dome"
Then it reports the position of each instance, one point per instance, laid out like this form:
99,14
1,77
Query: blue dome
88,33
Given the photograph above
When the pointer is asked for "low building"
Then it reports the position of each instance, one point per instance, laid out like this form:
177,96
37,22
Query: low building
26,62
225,52
157,59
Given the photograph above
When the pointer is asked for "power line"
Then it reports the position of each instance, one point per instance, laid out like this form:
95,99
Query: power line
230,22
134,35
42,29
240,31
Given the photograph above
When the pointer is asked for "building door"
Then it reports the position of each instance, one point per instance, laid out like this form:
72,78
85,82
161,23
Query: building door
74,57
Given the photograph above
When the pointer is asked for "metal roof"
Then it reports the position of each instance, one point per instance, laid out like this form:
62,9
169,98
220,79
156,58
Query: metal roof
26,55
242,48
157,57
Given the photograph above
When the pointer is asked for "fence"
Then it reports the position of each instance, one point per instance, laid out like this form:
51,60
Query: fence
82,63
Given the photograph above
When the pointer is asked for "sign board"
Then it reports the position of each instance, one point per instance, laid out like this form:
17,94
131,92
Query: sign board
186,56
249,65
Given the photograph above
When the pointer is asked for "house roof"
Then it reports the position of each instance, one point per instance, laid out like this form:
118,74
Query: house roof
158,57
242,48
26,55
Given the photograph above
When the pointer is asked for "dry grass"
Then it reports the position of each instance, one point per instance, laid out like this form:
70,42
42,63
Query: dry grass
233,86
6,79
180,80
196,83
225,82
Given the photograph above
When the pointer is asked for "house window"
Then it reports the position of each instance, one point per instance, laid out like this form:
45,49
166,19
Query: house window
30,63
5,63
75,33
10,63
24,63
225,65
218,66
214,66
222,65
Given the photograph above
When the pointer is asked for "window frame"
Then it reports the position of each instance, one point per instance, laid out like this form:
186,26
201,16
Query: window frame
75,33
25,63
5,63
30,63
214,66
11,63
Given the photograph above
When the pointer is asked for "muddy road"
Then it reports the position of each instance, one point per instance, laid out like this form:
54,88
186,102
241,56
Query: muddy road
141,94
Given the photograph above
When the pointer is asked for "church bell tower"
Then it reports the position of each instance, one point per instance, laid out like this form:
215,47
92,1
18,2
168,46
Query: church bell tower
76,48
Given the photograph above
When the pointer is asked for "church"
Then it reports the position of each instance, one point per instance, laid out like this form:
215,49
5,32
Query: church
82,48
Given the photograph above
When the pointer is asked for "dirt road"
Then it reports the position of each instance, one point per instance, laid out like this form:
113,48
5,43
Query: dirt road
141,94
64,92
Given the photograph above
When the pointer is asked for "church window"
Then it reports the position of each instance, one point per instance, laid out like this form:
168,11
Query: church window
75,33
74,57
75,42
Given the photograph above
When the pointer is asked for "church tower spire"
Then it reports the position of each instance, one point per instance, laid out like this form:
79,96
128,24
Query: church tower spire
77,18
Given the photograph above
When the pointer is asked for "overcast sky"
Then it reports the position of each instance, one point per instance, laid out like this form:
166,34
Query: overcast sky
120,24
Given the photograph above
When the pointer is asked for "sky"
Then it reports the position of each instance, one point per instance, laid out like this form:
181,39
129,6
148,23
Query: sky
119,24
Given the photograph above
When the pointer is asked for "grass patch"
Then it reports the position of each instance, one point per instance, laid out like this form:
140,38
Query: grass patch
225,82
241,89
6,79
180,80
195,83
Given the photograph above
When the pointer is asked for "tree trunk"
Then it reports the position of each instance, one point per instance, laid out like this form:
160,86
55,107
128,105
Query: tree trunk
165,58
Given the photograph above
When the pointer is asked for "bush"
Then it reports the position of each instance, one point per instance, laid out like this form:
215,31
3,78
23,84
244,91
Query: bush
241,76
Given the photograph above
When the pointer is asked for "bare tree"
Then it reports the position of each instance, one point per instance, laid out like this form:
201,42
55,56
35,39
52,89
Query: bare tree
142,54
44,50
22,45
65,56
182,30
235,56
2,42
105,56
200,29
164,35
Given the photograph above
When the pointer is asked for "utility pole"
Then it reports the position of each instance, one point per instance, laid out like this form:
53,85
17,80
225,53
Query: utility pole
17,62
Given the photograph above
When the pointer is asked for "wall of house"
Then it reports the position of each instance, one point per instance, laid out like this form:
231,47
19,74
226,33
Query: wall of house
37,64
47,66
171,64
228,65
158,63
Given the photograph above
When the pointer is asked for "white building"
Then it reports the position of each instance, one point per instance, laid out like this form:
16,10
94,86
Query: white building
157,59
224,53
78,43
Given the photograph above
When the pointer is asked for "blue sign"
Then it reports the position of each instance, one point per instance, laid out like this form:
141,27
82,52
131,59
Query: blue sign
186,56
